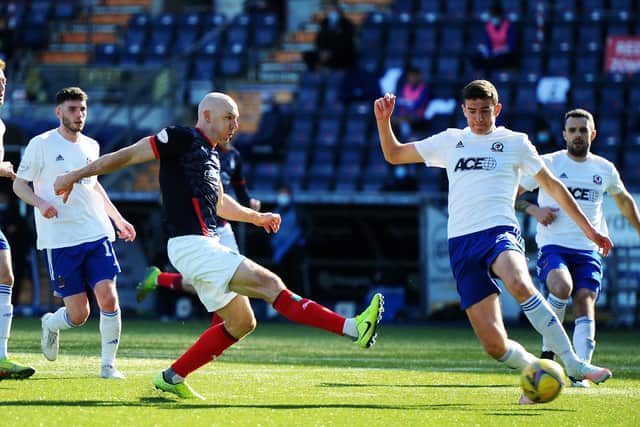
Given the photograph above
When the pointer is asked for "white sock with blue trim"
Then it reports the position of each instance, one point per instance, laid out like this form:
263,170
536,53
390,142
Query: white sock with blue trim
559,307
110,329
584,337
6,315
547,324
516,356
59,321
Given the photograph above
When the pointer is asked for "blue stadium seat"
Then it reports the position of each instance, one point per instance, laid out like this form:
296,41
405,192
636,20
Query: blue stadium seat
562,37
403,6
398,39
375,171
590,37
394,60
531,68
526,98
425,41
233,62
609,131
583,95
265,29
106,54
588,66
531,41
559,64
238,31
431,8
612,98
513,9
307,99
455,10
633,105
430,180
162,30
203,67
480,9
65,9
302,132
447,68
452,39
130,55
329,131
356,131
266,175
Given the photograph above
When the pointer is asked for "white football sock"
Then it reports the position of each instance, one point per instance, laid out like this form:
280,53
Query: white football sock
559,307
110,329
59,321
516,356
349,328
6,315
584,334
547,324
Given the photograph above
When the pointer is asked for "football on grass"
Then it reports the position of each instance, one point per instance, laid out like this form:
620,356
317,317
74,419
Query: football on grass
542,380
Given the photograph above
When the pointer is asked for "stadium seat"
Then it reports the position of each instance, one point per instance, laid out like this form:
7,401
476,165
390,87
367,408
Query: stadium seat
559,64
583,95
532,42
612,98
609,131
266,175
106,54
526,98
403,6
480,9
425,41
633,106
452,39
430,180
394,60
265,29
130,55
322,170
356,131
531,67
329,130
513,9
398,39
302,132
562,37
590,37
64,10
588,67
203,67
238,31
447,68
375,171
563,10
187,32
162,30
455,10
308,98
233,62
432,9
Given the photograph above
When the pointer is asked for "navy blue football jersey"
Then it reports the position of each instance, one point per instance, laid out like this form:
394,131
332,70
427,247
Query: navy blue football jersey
189,176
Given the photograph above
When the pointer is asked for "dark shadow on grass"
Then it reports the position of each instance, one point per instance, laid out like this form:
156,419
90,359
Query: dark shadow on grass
419,385
448,406
538,411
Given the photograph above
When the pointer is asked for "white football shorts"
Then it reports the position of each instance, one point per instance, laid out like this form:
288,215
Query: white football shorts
227,237
206,264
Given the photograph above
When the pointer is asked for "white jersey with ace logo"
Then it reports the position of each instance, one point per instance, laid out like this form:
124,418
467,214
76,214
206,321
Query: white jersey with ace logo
483,172
587,182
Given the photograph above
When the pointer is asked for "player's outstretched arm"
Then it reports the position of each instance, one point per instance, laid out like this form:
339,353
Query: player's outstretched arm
139,152
556,189
394,151
230,209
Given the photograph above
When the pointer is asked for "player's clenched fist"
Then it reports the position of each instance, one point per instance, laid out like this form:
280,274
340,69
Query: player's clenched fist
383,107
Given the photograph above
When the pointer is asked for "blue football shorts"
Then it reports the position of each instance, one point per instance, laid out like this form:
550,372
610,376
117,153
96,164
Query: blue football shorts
73,267
471,256
585,267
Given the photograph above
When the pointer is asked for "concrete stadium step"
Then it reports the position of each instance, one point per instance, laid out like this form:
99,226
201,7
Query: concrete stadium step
79,37
66,58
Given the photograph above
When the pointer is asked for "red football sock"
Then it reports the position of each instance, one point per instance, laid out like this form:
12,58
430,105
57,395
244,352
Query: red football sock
170,280
307,312
211,344
215,319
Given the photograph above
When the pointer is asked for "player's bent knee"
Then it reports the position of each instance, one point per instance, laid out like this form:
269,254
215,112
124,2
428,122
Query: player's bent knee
6,278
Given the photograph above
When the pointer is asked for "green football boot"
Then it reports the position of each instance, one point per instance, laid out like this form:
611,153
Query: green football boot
11,370
182,390
148,283
367,322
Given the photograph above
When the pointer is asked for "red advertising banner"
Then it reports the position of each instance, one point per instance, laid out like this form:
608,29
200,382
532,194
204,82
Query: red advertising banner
622,54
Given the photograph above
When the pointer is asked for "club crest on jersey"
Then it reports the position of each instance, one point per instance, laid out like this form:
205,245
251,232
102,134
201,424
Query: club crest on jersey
497,146
597,179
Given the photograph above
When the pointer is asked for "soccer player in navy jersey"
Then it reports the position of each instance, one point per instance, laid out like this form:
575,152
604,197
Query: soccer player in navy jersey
484,164
8,368
568,263
192,197
231,176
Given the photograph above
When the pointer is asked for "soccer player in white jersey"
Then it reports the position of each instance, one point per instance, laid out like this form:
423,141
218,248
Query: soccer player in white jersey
568,263
76,237
484,164
8,368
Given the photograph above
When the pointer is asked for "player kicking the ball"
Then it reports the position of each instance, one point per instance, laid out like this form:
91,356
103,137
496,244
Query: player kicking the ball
192,196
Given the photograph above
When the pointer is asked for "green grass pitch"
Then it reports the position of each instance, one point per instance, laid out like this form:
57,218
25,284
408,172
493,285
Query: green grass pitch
289,375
